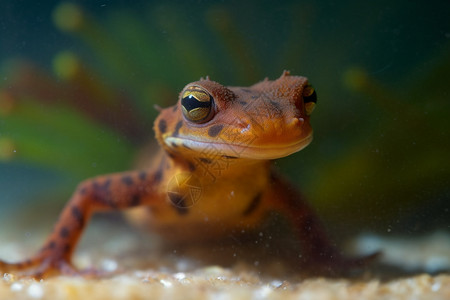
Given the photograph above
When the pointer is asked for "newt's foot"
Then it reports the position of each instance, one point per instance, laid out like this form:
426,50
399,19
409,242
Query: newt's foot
40,267
360,262
336,264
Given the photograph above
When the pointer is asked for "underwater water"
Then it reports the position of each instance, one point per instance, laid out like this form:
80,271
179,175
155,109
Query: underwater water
79,81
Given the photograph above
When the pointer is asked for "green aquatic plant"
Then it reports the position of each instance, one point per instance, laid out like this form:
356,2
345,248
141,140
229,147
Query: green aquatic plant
49,123
401,169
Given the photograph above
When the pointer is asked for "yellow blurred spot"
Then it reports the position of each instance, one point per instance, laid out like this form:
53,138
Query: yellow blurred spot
66,65
7,149
355,79
309,108
6,103
68,17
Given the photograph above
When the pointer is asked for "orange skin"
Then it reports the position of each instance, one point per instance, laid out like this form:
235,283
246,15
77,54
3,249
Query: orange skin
213,173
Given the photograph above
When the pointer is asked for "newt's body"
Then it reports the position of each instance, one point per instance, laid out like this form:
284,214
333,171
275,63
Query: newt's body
213,174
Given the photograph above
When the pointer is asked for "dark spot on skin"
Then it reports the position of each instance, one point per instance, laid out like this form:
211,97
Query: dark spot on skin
128,180
243,103
205,160
214,130
83,191
178,203
64,232
52,245
102,187
276,105
102,194
135,200
107,183
191,166
158,175
162,126
174,145
95,185
67,248
142,175
273,177
177,128
253,205
229,157
78,215
171,155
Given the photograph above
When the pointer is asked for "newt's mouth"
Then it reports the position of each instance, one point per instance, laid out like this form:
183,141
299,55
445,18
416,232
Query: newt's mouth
248,151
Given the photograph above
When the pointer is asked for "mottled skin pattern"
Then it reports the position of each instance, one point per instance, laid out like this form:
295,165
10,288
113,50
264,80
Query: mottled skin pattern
224,160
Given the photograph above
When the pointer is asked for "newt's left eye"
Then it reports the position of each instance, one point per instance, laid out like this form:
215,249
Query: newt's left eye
309,98
197,104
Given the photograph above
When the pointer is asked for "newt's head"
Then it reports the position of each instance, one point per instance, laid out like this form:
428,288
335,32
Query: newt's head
267,120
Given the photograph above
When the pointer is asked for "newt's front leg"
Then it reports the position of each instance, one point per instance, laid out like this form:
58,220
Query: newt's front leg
113,192
319,252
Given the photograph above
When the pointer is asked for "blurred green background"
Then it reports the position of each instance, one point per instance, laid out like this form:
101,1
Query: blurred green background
79,81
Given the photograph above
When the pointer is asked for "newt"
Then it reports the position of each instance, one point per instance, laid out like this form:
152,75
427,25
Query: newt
212,175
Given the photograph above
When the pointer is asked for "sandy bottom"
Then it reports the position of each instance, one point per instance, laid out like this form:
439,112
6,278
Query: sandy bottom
219,283
136,266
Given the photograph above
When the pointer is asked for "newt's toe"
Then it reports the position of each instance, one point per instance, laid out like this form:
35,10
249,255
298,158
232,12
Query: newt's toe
39,267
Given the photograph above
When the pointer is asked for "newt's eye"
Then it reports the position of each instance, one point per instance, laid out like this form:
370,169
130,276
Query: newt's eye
197,104
309,98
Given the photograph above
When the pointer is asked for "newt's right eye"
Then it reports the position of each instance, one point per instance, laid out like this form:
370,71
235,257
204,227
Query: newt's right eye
197,104
309,98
